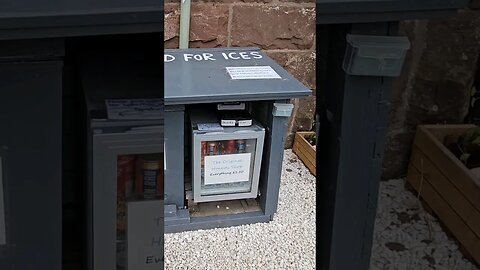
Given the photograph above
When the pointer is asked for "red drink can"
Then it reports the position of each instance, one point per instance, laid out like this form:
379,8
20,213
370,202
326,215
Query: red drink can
125,175
203,151
212,148
204,148
230,147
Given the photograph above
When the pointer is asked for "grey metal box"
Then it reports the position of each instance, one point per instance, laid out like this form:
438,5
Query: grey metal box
375,55
229,190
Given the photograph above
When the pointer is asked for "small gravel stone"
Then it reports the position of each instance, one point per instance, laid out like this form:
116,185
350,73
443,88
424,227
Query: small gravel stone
402,237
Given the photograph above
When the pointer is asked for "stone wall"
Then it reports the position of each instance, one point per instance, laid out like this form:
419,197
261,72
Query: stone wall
285,29
436,83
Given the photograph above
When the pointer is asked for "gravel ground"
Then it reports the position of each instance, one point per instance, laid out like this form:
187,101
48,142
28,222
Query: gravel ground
287,242
402,238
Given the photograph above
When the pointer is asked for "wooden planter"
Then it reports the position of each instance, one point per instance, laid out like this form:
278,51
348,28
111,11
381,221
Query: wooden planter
446,184
305,151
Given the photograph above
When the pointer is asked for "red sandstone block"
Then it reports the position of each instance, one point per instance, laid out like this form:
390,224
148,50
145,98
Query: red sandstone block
301,64
273,27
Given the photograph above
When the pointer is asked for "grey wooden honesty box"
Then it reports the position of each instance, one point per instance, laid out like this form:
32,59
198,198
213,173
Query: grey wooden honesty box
41,192
359,52
199,79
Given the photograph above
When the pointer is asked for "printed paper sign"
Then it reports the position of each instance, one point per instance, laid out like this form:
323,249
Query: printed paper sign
134,109
145,235
252,73
227,168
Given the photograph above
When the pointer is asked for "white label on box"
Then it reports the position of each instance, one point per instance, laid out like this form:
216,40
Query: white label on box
223,169
252,73
228,123
244,123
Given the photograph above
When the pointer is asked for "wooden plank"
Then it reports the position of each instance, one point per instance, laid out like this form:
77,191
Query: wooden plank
448,164
304,147
311,166
305,151
224,208
310,151
300,149
469,212
440,131
446,214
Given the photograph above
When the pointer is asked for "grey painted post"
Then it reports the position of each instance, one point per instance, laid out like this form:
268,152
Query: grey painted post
350,161
31,156
174,155
272,166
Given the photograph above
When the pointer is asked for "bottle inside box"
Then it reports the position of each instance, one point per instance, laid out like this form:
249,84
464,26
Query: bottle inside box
139,177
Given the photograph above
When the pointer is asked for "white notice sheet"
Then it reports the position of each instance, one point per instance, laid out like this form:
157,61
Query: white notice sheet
252,73
224,169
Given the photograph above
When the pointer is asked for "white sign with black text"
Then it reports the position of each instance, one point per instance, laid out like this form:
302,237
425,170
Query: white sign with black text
224,169
145,235
212,56
252,73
